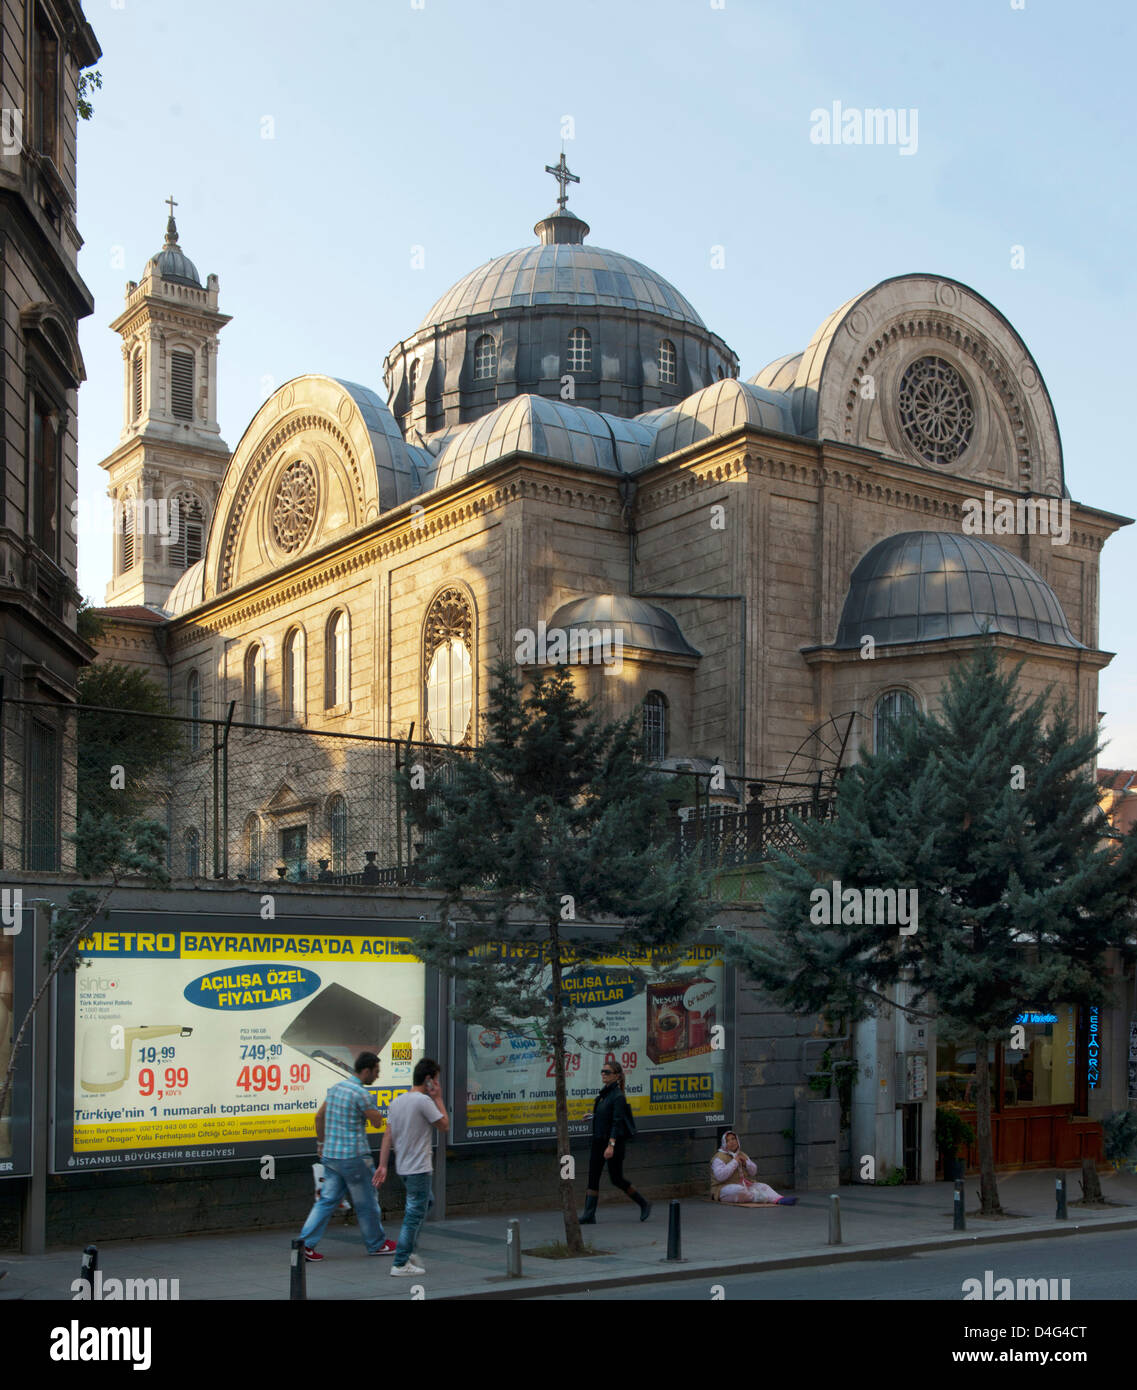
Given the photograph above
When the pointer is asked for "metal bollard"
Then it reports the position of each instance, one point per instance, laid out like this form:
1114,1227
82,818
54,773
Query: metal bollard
513,1249
298,1274
834,1219
1060,1191
960,1222
87,1268
674,1239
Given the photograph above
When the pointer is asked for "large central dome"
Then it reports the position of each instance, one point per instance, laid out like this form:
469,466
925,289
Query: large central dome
562,320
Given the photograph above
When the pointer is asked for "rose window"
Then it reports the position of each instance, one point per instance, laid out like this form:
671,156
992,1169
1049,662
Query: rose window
294,506
936,412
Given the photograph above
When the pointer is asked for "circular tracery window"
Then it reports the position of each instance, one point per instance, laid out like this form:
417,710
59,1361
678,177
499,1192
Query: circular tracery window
294,505
936,412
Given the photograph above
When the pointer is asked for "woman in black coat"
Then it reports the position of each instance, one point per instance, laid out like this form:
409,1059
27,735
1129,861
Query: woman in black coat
611,1125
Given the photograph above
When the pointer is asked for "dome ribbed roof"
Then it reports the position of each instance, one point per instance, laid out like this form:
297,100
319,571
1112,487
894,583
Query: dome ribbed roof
188,592
923,586
561,274
641,624
173,263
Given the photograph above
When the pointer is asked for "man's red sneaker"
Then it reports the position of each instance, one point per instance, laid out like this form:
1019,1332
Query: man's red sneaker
314,1255
387,1248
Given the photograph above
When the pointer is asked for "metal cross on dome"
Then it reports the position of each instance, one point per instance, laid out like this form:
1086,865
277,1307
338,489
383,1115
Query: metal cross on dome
173,205
560,171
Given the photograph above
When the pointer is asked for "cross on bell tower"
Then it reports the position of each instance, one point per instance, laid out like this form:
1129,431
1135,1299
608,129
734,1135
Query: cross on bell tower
560,171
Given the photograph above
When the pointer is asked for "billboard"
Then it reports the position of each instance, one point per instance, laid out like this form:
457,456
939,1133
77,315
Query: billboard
669,1023
191,1038
17,951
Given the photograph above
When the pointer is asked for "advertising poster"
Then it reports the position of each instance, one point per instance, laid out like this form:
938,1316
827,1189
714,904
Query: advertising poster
669,1027
192,1039
16,970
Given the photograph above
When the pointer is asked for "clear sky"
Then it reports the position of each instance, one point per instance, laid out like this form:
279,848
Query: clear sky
427,123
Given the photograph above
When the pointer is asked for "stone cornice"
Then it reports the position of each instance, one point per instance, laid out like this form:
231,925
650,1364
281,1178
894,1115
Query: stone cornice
895,651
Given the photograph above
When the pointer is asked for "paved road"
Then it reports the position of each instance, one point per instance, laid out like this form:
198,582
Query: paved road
1099,1266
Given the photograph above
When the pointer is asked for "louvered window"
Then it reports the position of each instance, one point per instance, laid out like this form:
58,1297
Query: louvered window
127,522
186,548
181,385
136,386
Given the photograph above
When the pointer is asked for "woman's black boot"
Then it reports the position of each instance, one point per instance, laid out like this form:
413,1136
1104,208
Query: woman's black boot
588,1217
641,1202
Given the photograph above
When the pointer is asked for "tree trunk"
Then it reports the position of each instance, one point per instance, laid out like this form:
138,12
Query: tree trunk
568,1194
1091,1183
988,1192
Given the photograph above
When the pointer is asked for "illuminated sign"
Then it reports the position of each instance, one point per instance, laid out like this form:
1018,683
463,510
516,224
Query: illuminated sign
1032,1017
1093,1065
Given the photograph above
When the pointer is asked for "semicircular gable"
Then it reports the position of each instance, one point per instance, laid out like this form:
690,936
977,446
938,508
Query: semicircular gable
320,459
925,369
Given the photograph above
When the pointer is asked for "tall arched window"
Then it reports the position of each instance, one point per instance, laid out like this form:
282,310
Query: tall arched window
892,708
295,675
485,358
136,387
667,362
181,385
337,828
254,848
580,350
337,660
125,520
655,727
193,710
448,668
412,380
188,530
193,853
255,684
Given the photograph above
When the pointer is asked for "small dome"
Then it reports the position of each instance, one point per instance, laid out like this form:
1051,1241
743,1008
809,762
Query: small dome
924,586
173,263
561,273
188,592
641,624
715,410
780,374
548,429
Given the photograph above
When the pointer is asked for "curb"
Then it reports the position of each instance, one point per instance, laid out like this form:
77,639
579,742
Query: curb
506,1288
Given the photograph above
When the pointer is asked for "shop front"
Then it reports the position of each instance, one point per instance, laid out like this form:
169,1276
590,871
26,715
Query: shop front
1041,1081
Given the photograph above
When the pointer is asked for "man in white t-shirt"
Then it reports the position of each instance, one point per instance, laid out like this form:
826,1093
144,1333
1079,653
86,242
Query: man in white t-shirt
411,1121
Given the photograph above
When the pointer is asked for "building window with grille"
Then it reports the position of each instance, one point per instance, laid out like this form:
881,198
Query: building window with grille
45,475
254,863
181,385
667,362
136,387
193,710
45,87
294,851
295,683
188,530
337,661
255,684
193,853
448,668
580,350
485,358
41,848
337,825
655,727
893,707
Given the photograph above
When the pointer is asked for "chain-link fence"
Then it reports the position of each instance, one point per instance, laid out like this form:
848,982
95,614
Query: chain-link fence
263,803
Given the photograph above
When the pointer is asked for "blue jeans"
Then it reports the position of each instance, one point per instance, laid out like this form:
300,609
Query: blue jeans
420,1199
346,1175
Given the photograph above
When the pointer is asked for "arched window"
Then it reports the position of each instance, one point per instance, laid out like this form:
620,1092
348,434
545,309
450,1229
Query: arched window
655,727
337,828
666,362
193,710
337,660
892,708
255,684
580,350
448,668
485,358
295,675
136,387
181,385
126,535
254,848
412,380
721,374
193,853
187,527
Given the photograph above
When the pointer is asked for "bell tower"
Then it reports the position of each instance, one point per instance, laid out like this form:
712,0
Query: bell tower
165,473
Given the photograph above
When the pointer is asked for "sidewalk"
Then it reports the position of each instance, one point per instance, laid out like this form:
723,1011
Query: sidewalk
465,1258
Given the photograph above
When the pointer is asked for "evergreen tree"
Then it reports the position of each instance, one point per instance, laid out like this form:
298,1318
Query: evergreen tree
124,760
989,811
551,823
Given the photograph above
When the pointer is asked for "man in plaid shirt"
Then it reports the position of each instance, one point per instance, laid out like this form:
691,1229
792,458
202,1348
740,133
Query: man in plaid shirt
341,1141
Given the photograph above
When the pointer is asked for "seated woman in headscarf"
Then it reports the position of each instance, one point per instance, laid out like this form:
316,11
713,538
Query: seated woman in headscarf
733,1177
